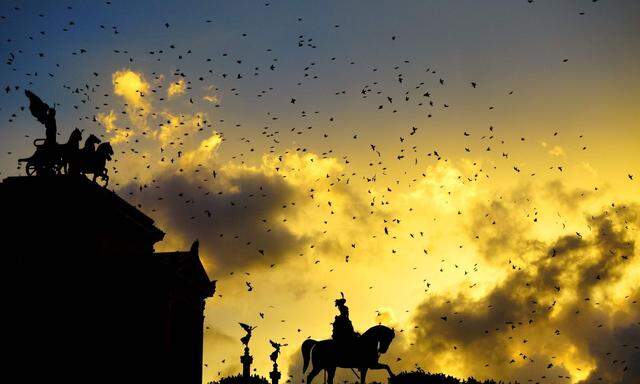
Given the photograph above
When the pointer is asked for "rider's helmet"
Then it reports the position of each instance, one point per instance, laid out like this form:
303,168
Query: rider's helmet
341,301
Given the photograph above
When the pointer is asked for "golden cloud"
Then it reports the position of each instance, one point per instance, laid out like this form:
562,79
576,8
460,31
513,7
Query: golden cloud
556,151
133,88
174,127
176,88
210,98
118,135
482,249
203,155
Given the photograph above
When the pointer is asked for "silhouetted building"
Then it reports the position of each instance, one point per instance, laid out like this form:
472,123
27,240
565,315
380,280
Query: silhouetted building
85,298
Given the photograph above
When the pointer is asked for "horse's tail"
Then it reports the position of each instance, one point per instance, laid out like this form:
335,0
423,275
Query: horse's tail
307,346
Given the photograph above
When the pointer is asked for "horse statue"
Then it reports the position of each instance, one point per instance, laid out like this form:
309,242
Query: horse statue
51,158
95,163
70,149
362,355
89,146
83,155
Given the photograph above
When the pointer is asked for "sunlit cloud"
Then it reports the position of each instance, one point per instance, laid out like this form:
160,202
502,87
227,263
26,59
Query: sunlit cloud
203,155
472,245
134,89
132,86
211,98
176,88
117,134
556,151
175,127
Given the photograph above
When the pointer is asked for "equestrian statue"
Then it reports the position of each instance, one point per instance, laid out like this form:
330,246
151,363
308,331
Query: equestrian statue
346,348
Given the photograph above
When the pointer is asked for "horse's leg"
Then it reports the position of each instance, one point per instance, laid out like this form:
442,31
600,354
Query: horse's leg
363,375
312,374
382,366
331,372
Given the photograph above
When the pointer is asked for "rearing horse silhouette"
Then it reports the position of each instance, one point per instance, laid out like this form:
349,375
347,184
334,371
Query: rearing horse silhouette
363,355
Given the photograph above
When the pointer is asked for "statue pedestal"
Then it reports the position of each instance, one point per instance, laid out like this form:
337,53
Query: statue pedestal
275,374
246,361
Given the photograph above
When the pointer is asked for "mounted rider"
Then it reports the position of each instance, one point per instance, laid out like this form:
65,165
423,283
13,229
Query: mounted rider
343,333
346,348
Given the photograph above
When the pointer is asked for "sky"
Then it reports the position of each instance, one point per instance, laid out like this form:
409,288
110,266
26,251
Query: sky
465,172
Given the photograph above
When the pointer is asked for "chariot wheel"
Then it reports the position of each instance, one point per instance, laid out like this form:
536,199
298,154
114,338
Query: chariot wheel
30,168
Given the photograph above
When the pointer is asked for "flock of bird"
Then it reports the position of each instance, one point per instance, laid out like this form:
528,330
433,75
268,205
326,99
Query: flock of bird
390,91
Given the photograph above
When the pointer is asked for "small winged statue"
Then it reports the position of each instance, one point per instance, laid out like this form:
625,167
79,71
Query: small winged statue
45,115
276,352
247,328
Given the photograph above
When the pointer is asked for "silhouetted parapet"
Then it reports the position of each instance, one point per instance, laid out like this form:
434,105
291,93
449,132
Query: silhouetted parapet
71,205
188,287
85,298
187,272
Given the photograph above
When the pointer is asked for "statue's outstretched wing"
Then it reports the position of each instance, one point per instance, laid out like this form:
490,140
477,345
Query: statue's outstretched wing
274,345
246,327
37,107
